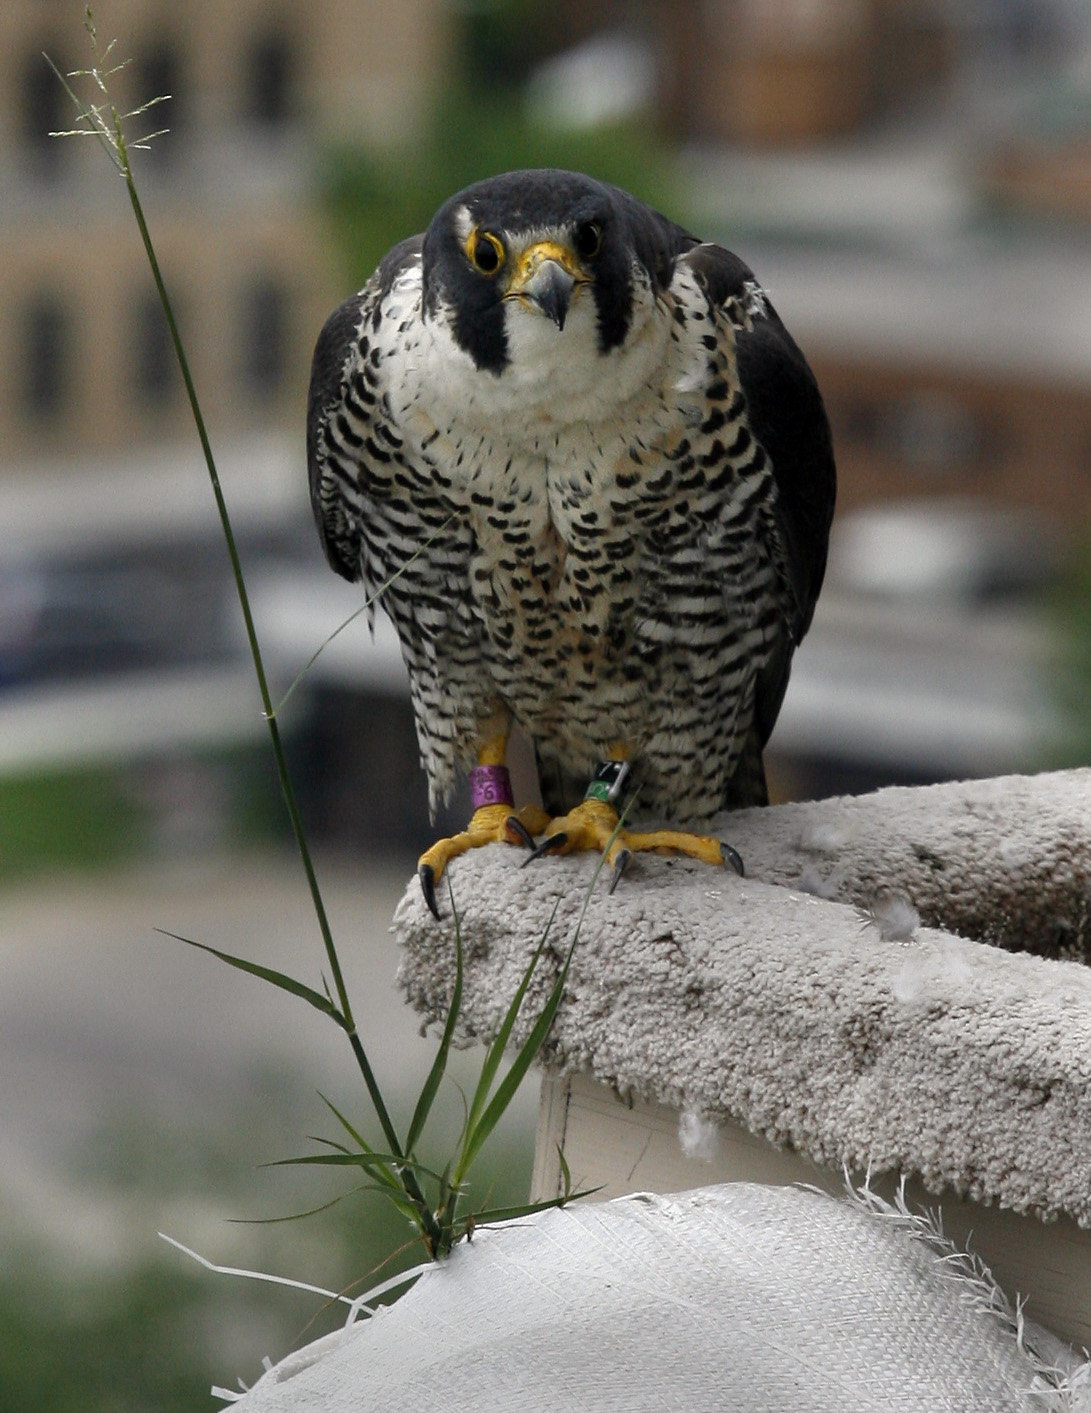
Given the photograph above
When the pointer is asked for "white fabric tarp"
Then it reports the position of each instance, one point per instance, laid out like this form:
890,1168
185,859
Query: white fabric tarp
736,1297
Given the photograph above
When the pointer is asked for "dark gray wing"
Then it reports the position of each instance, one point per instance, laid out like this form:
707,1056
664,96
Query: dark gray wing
787,417
342,405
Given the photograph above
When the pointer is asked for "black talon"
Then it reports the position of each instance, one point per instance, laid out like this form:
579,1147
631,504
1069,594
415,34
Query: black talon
733,857
427,875
621,863
514,825
547,846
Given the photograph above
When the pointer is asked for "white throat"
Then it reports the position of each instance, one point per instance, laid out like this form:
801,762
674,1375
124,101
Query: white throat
552,375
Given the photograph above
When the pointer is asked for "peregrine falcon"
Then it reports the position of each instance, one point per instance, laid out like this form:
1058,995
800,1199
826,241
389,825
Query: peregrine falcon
588,474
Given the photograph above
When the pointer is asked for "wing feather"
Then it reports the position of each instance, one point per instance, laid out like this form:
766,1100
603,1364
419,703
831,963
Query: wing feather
341,418
787,416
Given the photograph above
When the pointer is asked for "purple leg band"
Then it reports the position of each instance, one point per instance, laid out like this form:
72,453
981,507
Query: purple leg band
490,785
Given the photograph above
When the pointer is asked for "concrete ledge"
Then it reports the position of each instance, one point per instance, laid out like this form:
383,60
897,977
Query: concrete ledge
920,1052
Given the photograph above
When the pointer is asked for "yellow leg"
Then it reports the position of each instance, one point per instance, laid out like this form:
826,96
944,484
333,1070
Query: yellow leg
489,824
593,827
495,749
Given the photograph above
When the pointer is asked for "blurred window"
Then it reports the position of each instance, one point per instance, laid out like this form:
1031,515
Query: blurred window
858,419
45,363
159,74
44,107
268,77
155,376
932,433
263,333
928,432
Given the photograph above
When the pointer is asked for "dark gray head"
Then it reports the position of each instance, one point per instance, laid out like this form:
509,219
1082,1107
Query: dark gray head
542,239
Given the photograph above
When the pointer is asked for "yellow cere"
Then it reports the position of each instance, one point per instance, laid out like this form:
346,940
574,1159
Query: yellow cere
533,256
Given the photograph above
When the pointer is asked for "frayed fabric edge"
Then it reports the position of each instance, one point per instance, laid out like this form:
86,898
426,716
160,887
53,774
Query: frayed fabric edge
1058,1387
360,1307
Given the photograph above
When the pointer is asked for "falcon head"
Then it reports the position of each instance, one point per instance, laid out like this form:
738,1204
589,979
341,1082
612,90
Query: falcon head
534,263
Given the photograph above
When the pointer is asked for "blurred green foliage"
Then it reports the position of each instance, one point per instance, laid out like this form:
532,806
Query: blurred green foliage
1069,605
152,1332
374,199
129,1342
58,819
155,1336
97,815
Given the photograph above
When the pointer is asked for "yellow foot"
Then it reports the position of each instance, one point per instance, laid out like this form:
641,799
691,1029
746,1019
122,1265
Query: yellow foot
590,825
490,824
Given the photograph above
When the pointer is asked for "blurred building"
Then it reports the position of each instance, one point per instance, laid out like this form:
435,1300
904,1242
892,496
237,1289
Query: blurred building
770,72
230,195
119,638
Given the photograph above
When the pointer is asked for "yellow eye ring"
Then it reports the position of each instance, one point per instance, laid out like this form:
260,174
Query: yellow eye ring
485,251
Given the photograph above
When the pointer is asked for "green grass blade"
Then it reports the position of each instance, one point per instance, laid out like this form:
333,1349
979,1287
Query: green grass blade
505,1090
106,123
385,1180
566,1173
374,1163
356,1137
116,139
275,978
483,1121
529,1209
329,1143
439,1064
401,1180
310,1211
495,1052
339,1116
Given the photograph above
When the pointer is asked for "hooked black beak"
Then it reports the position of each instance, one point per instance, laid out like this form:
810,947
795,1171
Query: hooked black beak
544,277
550,288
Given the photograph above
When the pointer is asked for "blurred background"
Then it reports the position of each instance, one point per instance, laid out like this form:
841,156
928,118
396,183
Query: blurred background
911,181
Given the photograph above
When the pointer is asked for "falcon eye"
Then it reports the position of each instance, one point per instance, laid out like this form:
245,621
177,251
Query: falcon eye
486,252
588,240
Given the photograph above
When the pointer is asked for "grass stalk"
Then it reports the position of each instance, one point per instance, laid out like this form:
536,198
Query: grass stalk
440,1221
106,123
268,712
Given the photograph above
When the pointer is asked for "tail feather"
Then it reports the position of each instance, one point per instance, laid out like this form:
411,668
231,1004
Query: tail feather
747,785
561,790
